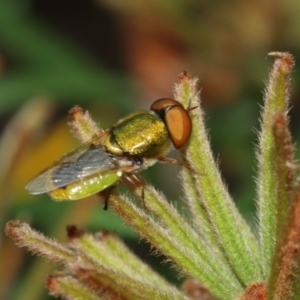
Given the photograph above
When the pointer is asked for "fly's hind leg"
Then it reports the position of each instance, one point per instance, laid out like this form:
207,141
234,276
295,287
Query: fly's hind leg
105,194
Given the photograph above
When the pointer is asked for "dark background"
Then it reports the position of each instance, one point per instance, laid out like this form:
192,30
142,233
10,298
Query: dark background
113,57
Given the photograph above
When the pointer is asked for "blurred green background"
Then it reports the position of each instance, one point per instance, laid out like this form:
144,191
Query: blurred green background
113,57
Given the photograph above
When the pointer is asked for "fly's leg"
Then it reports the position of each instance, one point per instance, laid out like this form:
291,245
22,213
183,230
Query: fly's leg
170,160
133,181
175,162
106,195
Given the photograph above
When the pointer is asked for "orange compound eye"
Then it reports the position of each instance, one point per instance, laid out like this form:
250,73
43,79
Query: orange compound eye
179,125
177,119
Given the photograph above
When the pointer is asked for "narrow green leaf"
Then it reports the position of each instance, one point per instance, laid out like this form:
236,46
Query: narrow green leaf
115,254
121,268
105,277
275,100
70,288
284,164
285,276
200,218
234,235
203,265
285,169
37,243
115,245
83,127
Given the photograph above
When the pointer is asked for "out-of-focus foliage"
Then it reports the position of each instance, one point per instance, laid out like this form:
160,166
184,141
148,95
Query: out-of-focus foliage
112,57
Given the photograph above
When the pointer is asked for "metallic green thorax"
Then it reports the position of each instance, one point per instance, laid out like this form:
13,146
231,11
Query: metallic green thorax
142,134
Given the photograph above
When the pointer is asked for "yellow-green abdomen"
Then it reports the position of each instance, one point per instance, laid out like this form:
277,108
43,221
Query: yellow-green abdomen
85,187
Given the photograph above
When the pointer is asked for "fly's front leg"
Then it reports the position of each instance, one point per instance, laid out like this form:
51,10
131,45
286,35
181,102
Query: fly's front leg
175,162
170,160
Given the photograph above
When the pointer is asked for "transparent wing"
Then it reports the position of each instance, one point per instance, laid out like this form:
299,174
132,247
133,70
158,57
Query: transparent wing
85,160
